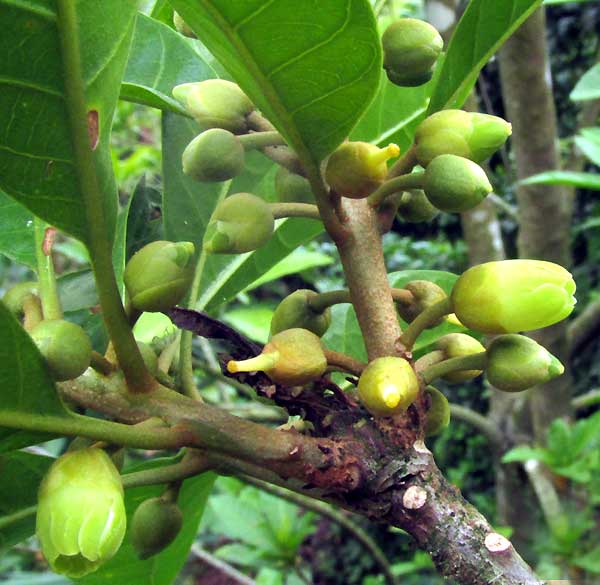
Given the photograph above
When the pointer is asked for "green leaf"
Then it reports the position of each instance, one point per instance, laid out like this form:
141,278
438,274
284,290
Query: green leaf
525,453
162,568
590,561
484,26
27,388
159,59
588,87
311,69
16,232
588,141
22,474
254,321
571,178
393,115
163,12
77,290
36,158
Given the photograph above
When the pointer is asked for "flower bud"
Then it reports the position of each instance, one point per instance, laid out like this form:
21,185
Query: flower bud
215,155
458,345
425,294
241,223
438,413
292,358
513,295
295,312
414,207
13,298
356,169
182,27
81,513
215,103
516,362
471,135
65,346
388,386
154,526
411,48
453,183
159,275
292,188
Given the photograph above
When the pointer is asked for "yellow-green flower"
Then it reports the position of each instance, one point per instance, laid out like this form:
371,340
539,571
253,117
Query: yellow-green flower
81,513
513,295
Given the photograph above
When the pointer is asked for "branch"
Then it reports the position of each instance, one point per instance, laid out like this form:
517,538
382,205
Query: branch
222,566
586,400
335,516
479,421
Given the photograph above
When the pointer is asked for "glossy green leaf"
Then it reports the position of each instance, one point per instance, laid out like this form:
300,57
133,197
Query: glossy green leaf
77,290
159,59
312,69
163,12
161,569
588,87
16,231
588,141
484,26
571,178
36,158
22,474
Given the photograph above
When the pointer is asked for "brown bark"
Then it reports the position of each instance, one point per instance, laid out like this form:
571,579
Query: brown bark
544,210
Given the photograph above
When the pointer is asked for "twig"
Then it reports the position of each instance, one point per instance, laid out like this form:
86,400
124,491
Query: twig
479,421
334,515
220,565
586,400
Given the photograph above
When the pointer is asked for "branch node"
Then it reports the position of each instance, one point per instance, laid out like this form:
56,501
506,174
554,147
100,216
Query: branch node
420,447
414,498
496,543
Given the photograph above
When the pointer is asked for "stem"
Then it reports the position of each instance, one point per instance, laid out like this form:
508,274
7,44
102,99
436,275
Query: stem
72,425
475,361
346,363
396,185
17,516
322,301
429,359
186,367
586,400
230,572
47,290
426,319
364,267
32,311
101,364
192,464
99,245
258,140
486,427
334,515
404,164
280,210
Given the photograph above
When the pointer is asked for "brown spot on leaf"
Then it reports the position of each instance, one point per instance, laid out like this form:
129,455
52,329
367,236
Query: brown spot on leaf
93,128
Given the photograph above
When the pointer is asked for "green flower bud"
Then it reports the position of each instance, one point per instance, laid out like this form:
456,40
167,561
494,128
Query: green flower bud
215,103
470,135
356,169
215,155
81,513
241,223
159,275
292,358
516,362
438,413
458,345
149,356
65,346
182,27
453,183
388,386
425,294
154,526
513,295
411,48
295,312
414,207
292,188
14,297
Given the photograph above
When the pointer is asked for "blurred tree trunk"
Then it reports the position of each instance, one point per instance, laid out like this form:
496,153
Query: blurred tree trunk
544,210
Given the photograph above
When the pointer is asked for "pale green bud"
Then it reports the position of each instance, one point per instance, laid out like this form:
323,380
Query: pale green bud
14,297
453,183
438,413
414,207
516,363
513,295
295,312
154,526
81,512
425,294
459,345
291,187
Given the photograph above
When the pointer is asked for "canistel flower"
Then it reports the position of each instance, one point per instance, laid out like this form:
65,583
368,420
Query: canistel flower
81,512
513,295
